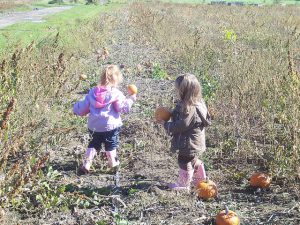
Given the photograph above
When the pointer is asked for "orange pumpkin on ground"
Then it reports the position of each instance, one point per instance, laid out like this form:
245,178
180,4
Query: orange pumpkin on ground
227,217
162,113
132,89
260,180
207,189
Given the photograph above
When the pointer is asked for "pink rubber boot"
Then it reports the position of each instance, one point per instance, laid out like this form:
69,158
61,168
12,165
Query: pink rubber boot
199,172
112,158
89,156
184,181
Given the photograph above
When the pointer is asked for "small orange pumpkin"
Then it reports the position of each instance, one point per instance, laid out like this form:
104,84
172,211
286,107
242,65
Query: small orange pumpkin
227,217
162,113
132,89
260,180
82,77
207,189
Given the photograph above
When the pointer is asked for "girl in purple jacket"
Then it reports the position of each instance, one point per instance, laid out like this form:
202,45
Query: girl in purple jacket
104,104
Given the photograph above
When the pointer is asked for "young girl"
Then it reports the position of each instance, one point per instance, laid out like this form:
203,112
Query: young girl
104,104
189,118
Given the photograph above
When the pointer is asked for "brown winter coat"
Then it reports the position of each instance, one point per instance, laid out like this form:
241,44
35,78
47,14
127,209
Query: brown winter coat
187,130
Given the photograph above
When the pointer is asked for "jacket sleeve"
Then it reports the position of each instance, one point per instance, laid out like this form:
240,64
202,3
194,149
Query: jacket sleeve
123,104
82,108
185,122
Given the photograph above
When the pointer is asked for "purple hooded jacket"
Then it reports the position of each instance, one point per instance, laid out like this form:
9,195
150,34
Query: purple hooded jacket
104,106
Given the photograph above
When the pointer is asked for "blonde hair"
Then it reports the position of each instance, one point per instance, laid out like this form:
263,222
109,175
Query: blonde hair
189,89
111,75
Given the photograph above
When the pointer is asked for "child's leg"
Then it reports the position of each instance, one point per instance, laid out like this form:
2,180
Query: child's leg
91,152
87,162
199,171
185,174
111,144
112,158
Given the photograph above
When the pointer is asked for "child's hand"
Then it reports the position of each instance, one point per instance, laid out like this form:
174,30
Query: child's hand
133,97
161,122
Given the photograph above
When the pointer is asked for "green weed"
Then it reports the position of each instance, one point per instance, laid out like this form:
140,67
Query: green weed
159,73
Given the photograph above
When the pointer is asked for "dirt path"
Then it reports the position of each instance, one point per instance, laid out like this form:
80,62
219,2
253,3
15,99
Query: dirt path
32,16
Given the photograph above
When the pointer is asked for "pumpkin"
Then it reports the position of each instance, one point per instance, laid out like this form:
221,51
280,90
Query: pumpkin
227,217
132,89
207,189
83,77
162,113
260,180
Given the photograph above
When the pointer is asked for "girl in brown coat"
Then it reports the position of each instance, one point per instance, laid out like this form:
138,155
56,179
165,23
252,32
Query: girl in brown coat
187,128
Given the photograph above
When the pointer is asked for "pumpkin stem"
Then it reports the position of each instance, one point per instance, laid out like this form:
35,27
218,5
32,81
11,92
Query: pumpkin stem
226,210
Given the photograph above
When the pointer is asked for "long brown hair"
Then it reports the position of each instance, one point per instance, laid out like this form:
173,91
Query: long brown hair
111,75
189,89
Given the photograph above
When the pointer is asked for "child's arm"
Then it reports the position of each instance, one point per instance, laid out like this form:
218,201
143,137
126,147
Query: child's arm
123,104
82,108
181,125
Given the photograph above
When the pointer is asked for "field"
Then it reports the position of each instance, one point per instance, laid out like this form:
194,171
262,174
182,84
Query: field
246,2
248,61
